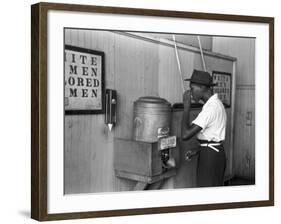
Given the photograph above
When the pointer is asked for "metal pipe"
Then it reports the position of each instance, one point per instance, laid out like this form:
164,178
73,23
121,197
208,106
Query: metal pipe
178,61
201,52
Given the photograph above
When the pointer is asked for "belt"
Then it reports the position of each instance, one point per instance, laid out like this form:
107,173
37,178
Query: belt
203,143
211,145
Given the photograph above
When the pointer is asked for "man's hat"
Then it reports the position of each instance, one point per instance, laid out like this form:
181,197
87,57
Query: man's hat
201,77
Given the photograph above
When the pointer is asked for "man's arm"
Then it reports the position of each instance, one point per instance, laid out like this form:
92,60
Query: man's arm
187,130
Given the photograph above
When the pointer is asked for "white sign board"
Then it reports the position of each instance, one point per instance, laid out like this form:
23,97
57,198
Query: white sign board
223,87
84,80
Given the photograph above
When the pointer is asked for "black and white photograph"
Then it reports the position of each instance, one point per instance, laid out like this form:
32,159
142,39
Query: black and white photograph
157,111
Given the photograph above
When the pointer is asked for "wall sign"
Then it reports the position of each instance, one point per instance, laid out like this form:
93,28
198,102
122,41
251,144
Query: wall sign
84,81
223,87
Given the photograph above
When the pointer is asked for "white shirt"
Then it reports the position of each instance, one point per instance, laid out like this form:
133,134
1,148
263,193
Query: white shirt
212,120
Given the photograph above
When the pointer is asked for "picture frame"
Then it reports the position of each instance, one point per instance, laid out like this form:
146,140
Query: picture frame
223,87
84,93
41,161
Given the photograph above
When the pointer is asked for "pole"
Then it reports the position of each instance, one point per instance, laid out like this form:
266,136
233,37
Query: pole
201,51
178,61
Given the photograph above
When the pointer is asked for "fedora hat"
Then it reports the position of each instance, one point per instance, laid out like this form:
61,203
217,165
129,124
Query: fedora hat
201,77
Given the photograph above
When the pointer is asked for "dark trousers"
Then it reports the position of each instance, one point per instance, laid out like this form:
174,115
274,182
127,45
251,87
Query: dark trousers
211,167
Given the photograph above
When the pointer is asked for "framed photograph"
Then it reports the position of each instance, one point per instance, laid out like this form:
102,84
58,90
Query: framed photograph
115,93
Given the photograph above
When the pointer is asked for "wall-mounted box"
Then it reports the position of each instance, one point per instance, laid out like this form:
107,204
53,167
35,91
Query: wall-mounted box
140,161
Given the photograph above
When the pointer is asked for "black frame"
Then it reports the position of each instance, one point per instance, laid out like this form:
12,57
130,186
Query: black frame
89,51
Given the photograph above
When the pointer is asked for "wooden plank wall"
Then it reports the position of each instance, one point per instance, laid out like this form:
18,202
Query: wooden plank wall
130,68
244,142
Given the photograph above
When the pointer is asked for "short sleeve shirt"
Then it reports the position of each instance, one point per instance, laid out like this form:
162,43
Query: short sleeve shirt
212,119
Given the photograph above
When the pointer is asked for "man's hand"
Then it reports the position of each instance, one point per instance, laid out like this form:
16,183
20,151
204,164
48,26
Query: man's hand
189,154
186,98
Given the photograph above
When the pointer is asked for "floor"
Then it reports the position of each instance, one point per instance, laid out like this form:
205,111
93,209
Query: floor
239,181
